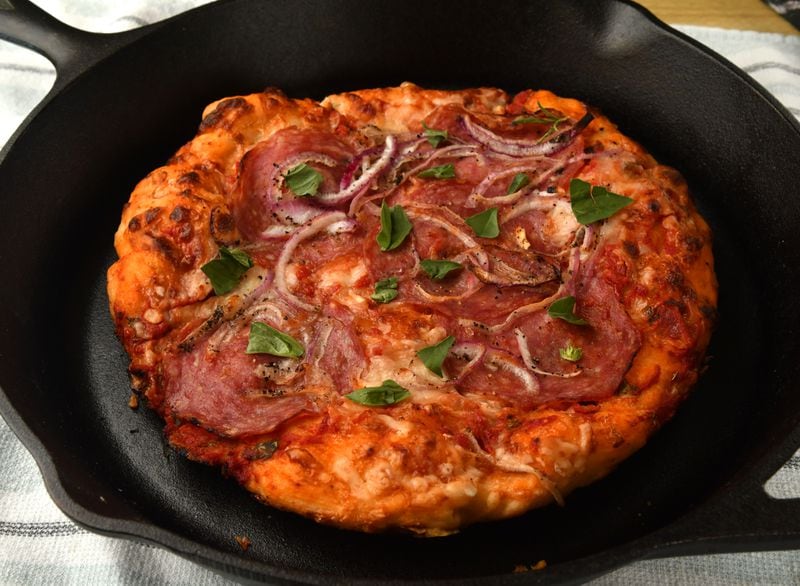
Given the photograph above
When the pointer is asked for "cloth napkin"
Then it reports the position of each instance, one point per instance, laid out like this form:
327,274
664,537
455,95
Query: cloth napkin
788,9
39,545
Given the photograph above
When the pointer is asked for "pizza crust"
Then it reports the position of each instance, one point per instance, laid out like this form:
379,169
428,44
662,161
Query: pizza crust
405,467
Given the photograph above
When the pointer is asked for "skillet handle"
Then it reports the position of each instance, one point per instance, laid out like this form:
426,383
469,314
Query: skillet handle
740,517
72,51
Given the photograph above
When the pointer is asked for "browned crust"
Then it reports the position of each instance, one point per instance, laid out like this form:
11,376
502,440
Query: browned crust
349,466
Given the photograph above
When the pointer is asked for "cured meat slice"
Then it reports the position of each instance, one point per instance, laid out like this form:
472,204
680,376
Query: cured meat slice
233,393
261,199
608,344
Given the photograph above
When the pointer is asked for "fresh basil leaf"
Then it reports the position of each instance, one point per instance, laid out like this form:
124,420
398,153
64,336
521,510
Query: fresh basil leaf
570,352
303,180
485,223
435,137
563,309
545,116
532,120
447,171
388,393
433,356
520,180
226,271
395,226
265,339
592,203
439,269
385,290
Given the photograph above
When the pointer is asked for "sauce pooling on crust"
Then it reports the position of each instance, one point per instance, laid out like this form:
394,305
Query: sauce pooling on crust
463,206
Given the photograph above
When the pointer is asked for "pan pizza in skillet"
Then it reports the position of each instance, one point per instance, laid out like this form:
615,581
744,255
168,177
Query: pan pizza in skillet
412,309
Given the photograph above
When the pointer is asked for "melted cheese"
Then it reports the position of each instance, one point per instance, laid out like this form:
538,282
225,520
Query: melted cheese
343,272
561,224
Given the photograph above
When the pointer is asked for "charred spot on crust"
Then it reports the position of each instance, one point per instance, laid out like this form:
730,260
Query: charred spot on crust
179,214
222,225
626,388
363,107
225,112
677,304
135,224
192,178
630,248
675,278
654,206
164,245
709,311
274,91
185,232
673,176
151,215
693,243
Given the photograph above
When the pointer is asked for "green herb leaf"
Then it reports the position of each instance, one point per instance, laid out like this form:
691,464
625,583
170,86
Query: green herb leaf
520,180
303,180
388,393
385,290
447,171
433,356
395,226
570,352
531,120
485,223
267,340
435,137
563,309
593,203
226,271
546,117
439,269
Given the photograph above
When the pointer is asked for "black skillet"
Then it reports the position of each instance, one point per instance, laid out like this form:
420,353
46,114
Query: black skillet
122,103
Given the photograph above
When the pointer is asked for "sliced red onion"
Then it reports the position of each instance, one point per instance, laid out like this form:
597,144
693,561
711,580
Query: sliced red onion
505,275
452,151
305,232
366,179
291,214
588,237
479,193
504,361
473,351
363,198
525,148
522,344
537,200
470,290
525,310
572,271
419,212
352,167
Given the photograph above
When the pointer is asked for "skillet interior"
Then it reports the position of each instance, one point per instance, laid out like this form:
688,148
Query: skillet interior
69,173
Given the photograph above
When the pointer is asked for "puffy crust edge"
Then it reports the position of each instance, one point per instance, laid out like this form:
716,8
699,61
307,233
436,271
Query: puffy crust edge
567,445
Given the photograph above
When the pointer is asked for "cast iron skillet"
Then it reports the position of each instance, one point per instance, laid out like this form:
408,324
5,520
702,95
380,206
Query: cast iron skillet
123,103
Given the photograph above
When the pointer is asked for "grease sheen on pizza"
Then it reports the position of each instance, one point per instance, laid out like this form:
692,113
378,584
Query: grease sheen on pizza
441,306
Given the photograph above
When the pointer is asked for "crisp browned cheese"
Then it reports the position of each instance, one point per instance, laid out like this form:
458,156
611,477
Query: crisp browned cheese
511,424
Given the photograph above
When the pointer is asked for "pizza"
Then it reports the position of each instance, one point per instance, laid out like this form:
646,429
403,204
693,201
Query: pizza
412,309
